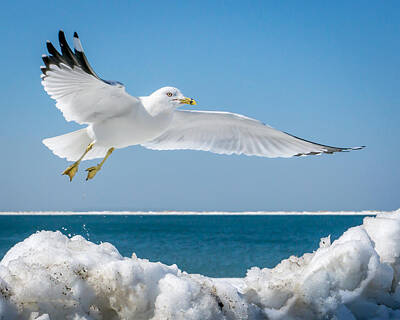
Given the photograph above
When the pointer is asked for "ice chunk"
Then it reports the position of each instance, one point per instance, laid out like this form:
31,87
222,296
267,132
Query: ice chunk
357,275
51,276
325,242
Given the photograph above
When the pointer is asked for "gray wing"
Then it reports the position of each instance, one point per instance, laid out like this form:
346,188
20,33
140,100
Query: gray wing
230,133
80,94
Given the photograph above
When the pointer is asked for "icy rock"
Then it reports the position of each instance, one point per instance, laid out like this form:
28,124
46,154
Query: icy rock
51,276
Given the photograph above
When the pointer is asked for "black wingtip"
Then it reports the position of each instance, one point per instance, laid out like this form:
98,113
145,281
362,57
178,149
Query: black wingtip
67,57
51,49
62,39
46,60
61,36
66,52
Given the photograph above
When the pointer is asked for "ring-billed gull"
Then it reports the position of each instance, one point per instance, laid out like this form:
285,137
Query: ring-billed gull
117,120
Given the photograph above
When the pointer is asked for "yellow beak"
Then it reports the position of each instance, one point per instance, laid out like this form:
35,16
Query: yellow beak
190,101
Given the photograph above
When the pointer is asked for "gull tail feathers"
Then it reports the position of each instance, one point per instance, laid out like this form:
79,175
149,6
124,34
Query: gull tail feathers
72,145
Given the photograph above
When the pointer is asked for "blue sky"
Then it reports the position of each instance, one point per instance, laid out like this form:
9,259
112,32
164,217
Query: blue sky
324,71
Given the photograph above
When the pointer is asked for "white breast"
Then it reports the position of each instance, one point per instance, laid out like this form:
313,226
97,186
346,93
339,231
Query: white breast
134,128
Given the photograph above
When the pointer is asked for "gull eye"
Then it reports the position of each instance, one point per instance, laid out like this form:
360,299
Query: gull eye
169,94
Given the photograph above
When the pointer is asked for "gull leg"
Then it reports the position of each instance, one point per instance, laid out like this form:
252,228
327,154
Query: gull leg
72,169
93,170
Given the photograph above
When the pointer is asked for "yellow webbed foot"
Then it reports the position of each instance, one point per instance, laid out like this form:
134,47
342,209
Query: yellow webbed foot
92,171
71,170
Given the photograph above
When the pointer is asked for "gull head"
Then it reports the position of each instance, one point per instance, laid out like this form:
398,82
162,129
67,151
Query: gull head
165,99
171,97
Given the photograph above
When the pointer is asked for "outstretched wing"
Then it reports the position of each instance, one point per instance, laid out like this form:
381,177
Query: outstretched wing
227,133
80,94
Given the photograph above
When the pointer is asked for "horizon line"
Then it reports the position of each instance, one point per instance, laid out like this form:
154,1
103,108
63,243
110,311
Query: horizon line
193,213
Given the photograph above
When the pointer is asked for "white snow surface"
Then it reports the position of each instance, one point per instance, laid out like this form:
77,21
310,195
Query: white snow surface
193,213
51,276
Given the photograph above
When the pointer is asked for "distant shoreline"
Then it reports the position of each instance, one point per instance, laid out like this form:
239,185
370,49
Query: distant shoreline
194,213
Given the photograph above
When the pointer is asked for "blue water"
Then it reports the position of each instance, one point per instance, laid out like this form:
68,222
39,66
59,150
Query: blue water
217,246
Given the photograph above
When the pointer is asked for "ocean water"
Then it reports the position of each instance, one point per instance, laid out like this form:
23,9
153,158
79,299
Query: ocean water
212,245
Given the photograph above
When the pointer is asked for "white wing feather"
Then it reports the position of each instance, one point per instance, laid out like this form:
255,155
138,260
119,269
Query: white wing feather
83,98
80,94
228,133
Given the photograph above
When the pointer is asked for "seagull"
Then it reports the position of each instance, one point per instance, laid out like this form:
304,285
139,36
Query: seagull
117,120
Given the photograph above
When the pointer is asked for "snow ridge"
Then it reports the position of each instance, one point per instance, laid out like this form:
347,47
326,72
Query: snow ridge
51,276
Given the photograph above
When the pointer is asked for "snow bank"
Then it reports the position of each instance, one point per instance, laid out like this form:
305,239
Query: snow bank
192,213
51,276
